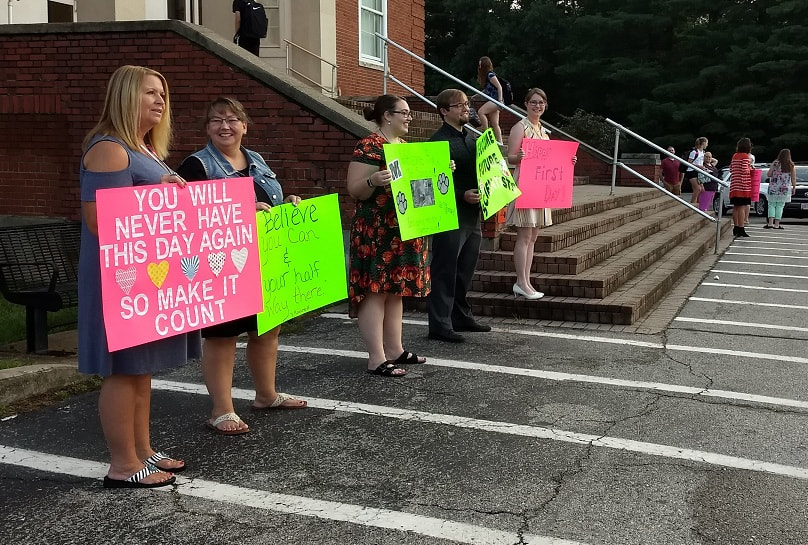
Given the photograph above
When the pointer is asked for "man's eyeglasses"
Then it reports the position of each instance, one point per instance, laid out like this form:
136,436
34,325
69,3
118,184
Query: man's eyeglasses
460,105
537,103
218,121
405,113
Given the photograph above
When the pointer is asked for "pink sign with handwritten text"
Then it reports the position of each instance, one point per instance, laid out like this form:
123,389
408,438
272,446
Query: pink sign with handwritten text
545,174
177,259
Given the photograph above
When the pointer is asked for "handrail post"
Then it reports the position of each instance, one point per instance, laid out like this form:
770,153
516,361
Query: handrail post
614,160
287,58
718,217
386,68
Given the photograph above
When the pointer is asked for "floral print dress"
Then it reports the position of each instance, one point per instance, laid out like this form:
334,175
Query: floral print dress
380,262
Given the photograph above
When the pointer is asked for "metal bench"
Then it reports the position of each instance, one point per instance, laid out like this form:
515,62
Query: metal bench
39,269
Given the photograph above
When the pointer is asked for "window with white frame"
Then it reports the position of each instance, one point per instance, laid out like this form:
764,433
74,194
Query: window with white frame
273,11
372,19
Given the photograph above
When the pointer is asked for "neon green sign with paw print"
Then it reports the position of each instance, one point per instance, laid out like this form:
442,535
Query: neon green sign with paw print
422,188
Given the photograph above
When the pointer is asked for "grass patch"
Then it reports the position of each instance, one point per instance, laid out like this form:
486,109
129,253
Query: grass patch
11,362
12,321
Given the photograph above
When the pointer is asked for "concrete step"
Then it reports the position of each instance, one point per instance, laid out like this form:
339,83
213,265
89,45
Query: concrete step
604,278
624,305
604,235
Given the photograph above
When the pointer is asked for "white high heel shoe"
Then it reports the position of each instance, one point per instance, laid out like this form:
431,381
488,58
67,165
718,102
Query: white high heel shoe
519,291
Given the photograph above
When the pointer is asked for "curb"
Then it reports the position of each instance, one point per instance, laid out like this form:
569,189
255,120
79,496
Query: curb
20,383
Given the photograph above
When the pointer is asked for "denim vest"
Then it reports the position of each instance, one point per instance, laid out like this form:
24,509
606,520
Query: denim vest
217,167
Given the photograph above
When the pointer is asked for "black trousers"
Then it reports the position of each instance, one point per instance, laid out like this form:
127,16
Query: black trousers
253,45
454,258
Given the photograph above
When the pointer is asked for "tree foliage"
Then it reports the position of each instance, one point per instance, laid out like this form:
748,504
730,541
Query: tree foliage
671,70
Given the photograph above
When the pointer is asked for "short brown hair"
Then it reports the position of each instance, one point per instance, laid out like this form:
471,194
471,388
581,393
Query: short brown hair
446,98
226,102
744,145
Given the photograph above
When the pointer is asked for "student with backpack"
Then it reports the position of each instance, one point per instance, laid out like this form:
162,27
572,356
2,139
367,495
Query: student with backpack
695,157
496,89
251,25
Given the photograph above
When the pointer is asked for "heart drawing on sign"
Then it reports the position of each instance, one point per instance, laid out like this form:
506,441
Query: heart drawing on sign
216,262
126,278
190,266
158,272
239,258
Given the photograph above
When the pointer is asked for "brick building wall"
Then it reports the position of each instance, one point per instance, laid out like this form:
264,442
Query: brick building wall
405,26
52,86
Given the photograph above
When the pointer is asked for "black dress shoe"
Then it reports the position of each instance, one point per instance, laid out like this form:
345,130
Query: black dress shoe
447,336
473,326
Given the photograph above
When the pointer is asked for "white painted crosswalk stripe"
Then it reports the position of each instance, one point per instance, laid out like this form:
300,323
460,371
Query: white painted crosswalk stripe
459,532
508,428
569,377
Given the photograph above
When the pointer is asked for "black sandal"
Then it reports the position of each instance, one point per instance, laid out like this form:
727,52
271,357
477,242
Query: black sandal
408,358
387,369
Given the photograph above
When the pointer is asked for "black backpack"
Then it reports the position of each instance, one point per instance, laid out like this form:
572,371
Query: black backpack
254,21
507,92
684,165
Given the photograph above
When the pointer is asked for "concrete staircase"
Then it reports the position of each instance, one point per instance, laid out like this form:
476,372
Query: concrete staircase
608,259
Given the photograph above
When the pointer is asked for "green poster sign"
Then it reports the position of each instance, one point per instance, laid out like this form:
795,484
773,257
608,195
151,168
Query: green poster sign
302,259
496,184
422,188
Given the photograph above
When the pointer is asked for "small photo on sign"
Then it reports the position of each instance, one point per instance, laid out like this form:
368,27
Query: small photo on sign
395,170
423,193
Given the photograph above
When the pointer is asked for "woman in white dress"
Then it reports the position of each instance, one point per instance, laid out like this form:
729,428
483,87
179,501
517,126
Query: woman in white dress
527,221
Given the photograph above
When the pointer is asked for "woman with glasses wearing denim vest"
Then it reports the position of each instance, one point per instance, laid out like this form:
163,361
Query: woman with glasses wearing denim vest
225,157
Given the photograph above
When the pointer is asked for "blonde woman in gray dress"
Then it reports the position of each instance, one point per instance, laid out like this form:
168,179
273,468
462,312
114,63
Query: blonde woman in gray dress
527,221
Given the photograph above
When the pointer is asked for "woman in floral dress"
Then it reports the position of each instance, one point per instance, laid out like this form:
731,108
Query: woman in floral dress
383,268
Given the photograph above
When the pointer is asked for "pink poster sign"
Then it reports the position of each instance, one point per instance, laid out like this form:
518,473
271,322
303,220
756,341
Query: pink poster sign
177,259
545,174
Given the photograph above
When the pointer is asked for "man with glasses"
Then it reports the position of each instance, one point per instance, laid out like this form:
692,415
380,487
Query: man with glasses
455,253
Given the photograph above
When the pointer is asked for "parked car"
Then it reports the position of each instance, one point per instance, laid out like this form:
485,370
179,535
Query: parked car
799,201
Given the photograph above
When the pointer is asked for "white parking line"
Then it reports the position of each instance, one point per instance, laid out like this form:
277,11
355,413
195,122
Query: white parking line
460,532
744,287
741,324
766,240
554,375
723,261
750,303
779,256
756,247
625,342
772,275
508,428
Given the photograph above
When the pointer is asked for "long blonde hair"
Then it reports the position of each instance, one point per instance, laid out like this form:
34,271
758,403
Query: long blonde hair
120,116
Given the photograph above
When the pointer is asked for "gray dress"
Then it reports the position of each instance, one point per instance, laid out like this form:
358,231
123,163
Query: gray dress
94,355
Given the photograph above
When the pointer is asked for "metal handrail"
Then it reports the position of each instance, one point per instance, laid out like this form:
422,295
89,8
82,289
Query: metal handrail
475,91
721,183
612,160
422,97
334,67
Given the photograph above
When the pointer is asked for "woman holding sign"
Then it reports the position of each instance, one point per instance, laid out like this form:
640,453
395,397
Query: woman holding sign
225,157
527,221
126,148
383,268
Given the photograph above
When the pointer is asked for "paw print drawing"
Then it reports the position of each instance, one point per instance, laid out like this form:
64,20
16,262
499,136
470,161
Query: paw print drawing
401,199
443,183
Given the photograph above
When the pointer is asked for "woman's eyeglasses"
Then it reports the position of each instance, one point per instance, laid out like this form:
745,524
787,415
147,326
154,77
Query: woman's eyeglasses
405,113
218,121
537,103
